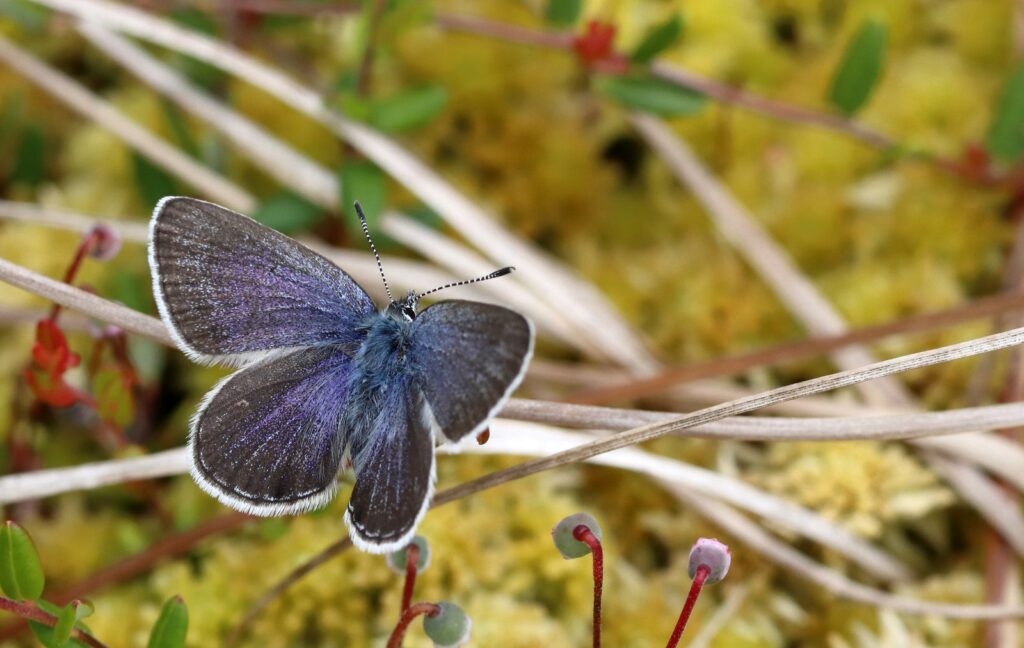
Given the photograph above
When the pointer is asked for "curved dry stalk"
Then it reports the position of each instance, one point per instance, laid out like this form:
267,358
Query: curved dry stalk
308,178
547,277
923,426
775,267
167,157
130,320
832,581
279,160
809,307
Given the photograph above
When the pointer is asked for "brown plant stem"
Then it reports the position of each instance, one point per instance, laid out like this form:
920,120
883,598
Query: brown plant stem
31,612
412,558
799,350
173,545
290,579
430,609
90,239
713,88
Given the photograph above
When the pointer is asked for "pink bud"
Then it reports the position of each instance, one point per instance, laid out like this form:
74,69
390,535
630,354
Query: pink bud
106,242
714,554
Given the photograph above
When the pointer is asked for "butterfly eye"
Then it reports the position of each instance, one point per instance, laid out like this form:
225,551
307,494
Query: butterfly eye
409,312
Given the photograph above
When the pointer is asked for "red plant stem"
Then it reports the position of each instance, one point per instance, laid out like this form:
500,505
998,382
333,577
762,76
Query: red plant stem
430,609
584,534
691,600
412,558
76,262
30,611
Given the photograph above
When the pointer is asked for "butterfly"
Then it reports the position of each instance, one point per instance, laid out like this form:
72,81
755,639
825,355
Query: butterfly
325,379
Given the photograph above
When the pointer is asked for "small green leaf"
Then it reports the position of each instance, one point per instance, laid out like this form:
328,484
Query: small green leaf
21,574
83,609
364,182
176,121
1005,139
172,625
652,95
563,13
46,636
410,109
860,68
27,15
65,623
30,158
151,182
658,40
287,212
114,402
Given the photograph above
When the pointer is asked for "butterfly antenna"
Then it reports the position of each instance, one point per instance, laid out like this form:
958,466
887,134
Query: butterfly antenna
366,231
501,272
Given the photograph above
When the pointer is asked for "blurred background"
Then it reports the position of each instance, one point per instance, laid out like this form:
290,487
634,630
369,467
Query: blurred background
677,182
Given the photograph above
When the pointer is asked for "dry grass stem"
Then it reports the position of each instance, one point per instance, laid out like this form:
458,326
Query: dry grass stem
77,97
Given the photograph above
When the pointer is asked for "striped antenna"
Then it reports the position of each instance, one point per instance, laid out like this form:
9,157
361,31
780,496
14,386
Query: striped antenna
366,231
501,272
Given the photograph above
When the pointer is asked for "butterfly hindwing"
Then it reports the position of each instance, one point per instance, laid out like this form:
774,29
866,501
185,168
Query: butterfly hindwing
468,357
394,472
266,440
231,289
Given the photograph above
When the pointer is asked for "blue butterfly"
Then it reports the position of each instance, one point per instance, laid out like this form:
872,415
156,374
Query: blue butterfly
325,378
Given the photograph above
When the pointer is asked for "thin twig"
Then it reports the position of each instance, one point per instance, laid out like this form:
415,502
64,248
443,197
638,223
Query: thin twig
32,612
983,307
290,579
132,566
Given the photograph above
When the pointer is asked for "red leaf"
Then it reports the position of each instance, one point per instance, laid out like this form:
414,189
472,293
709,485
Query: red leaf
595,44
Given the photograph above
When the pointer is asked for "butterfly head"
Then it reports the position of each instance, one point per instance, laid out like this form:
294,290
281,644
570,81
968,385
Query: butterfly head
404,309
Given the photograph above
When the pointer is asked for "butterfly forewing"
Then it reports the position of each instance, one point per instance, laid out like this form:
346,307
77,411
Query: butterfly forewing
394,473
231,289
467,358
266,440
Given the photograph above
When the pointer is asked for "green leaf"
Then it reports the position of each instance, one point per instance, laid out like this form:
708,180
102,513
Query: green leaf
27,15
172,625
114,402
366,183
409,109
84,609
11,116
30,159
176,121
652,95
1005,138
860,68
151,182
47,635
65,623
563,13
21,574
288,212
658,40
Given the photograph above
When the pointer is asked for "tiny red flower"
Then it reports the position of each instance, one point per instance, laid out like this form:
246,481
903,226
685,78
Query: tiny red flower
51,358
595,44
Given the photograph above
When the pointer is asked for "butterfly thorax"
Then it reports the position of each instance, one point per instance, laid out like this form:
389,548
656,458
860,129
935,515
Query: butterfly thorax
379,364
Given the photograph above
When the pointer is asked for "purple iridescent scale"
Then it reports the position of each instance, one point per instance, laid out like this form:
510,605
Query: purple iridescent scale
323,373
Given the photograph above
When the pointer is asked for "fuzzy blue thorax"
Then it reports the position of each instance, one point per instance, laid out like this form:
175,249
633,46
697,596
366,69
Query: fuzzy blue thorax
379,364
